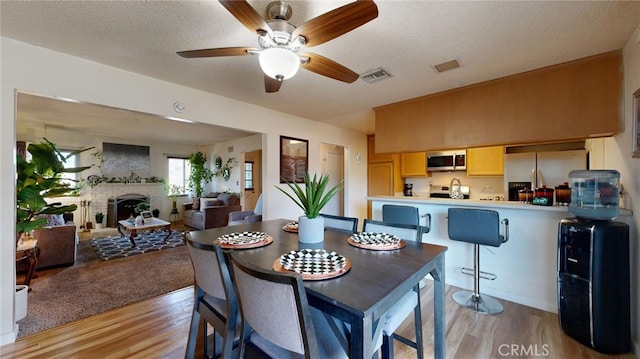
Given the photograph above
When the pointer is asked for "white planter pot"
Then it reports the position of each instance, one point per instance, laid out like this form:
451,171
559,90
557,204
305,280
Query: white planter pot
22,292
98,225
310,230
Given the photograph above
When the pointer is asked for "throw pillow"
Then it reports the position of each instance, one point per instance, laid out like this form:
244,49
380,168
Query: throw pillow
213,202
196,203
54,220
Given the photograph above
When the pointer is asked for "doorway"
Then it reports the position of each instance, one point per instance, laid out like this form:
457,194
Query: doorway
333,165
252,178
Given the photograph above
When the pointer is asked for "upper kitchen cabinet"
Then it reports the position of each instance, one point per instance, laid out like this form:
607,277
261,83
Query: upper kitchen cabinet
374,157
571,101
413,164
485,161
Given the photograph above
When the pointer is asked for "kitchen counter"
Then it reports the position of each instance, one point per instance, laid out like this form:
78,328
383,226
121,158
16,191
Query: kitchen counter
525,265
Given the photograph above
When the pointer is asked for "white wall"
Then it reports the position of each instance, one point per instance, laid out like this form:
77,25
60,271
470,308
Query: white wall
41,71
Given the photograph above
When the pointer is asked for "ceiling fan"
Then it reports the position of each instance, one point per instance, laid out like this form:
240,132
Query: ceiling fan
280,41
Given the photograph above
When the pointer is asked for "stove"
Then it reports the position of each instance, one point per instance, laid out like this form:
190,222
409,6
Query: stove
438,191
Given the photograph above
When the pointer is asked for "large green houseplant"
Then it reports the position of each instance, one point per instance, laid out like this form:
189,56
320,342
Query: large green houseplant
199,173
311,200
41,178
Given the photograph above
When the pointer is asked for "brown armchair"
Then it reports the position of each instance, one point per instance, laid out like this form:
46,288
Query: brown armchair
212,212
57,244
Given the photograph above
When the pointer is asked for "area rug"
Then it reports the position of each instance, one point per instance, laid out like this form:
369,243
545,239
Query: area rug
116,246
94,286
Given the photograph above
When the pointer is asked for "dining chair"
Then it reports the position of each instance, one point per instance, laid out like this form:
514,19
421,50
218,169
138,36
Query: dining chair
278,319
410,302
478,227
215,301
341,223
400,214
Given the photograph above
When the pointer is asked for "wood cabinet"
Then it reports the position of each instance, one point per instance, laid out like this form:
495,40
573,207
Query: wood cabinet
383,177
485,161
413,164
374,157
571,101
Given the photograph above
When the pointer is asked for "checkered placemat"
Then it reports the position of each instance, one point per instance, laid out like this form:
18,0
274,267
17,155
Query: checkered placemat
375,239
291,227
313,261
240,238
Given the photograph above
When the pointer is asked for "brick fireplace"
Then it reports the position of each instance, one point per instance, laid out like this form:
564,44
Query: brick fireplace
124,194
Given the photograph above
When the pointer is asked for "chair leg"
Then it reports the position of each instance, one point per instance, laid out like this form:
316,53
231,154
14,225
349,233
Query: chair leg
418,325
473,300
387,347
193,334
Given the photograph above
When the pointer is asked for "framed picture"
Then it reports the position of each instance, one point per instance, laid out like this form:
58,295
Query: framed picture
636,125
146,215
293,159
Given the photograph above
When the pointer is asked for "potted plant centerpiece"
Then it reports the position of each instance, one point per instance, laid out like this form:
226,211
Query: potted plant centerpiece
311,200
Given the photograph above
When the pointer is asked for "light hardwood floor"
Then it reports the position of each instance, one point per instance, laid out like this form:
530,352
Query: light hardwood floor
158,328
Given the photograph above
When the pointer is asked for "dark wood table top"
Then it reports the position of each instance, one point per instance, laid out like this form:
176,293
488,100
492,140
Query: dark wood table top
377,279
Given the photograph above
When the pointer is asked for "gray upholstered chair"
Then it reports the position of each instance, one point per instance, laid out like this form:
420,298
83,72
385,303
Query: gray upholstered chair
480,227
410,302
278,319
215,301
349,224
399,214
242,217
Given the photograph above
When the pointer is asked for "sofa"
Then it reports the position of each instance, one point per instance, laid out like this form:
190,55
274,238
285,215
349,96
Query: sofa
57,242
210,211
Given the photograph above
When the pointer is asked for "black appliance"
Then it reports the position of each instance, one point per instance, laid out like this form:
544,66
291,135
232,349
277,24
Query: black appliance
515,187
594,283
408,189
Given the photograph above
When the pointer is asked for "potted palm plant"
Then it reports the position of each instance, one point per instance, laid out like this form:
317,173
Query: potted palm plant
311,200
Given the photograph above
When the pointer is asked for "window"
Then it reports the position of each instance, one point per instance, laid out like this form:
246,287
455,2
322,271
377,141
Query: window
179,170
248,176
71,162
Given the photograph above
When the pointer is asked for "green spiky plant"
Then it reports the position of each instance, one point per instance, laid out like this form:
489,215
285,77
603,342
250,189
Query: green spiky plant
312,198
41,178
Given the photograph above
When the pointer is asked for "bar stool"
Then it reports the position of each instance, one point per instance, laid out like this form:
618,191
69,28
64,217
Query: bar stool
398,214
480,227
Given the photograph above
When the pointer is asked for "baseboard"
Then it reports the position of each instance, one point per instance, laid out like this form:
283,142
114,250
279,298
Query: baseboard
10,337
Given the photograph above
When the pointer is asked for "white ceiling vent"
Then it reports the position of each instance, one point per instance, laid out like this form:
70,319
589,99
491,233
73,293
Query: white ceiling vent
376,75
446,66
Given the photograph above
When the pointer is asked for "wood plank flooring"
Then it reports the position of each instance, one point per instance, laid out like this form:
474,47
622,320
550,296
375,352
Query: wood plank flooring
158,328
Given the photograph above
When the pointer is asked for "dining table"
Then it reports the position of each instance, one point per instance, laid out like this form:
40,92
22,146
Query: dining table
362,295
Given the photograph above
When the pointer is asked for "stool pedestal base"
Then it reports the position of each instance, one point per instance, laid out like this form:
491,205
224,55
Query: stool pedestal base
479,303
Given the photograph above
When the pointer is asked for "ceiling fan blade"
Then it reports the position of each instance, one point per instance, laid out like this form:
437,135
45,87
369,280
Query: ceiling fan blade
271,85
247,15
217,52
326,67
336,22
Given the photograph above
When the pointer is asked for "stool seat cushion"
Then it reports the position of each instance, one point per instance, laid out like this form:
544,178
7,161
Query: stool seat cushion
478,226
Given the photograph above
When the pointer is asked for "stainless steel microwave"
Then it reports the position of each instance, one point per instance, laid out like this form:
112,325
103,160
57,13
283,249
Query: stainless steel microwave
455,160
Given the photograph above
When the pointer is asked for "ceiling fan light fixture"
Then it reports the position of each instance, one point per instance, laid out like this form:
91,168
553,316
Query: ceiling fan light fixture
279,63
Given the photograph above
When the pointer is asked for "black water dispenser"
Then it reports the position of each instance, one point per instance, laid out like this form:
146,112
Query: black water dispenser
594,283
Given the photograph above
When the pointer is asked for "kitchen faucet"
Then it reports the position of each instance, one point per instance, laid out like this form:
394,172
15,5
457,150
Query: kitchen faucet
455,192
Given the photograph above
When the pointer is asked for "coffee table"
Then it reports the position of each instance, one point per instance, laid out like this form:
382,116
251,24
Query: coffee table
148,225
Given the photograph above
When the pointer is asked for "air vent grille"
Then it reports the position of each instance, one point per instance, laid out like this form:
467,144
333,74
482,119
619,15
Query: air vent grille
376,75
446,66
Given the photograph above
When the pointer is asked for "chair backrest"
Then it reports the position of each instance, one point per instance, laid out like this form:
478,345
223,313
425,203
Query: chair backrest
258,209
211,271
478,226
410,232
339,222
275,306
399,214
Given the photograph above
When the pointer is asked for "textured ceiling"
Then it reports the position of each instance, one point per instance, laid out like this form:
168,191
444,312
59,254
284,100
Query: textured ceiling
490,39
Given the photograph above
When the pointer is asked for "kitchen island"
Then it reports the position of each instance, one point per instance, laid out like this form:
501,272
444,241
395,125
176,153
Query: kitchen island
525,265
